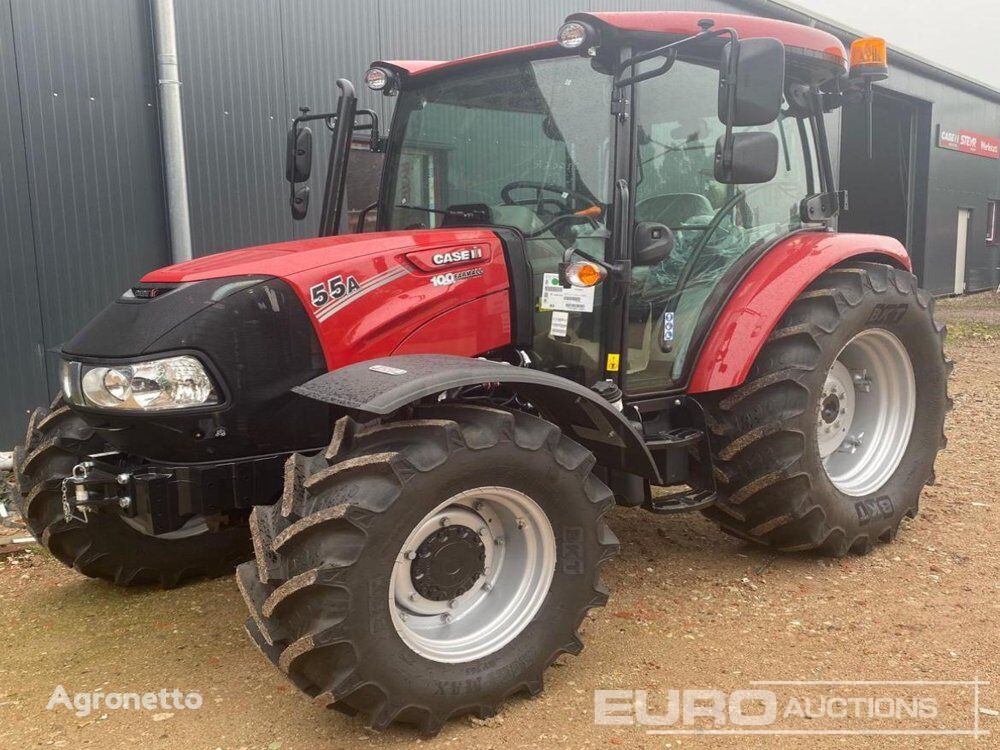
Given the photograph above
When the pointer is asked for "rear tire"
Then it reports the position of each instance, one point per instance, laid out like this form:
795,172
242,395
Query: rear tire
780,482
329,557
106,547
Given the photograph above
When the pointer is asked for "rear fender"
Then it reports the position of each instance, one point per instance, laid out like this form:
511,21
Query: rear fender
379,387
767,291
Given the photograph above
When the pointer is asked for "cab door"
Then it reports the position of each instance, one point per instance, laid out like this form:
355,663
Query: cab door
713,224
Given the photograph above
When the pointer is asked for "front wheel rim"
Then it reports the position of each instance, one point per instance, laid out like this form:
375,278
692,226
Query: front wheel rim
866,412
479,600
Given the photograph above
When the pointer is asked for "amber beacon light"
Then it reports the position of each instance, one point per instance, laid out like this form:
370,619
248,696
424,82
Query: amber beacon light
869,59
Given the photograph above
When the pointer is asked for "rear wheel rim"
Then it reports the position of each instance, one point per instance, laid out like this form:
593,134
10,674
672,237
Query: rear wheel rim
480,599
866,412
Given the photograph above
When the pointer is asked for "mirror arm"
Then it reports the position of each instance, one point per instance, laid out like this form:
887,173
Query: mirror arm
668,51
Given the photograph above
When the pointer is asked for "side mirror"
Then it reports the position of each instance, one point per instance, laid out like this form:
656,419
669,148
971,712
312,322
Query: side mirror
300,202
298,158
751,158
652,243
754,74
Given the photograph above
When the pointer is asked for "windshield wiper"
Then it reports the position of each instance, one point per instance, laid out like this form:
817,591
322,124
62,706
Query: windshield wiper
424,208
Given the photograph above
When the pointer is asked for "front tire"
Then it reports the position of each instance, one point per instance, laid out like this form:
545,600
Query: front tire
374,591
107,547
829,442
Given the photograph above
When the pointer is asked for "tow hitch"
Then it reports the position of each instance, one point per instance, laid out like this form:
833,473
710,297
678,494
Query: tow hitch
78,500
161,499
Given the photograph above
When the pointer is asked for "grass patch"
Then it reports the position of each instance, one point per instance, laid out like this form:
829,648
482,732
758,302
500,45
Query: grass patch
971,330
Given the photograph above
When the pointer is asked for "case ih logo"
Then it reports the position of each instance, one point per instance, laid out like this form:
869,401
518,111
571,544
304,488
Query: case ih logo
465,255
968,143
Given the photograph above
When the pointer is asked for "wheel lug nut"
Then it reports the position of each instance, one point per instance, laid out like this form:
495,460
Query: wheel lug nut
413,596
487,586
444,521
446,618
478,505
499,541
410,555
453,603
482,531
521,523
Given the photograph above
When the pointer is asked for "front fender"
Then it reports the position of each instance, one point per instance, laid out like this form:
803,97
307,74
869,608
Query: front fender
379,387
768,290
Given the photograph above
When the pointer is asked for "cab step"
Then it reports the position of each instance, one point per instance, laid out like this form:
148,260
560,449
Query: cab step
680,502
681,437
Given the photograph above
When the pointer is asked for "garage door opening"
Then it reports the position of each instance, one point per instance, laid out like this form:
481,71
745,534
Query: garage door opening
887,192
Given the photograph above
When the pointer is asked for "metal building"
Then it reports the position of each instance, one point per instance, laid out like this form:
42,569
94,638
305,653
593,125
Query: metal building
83,208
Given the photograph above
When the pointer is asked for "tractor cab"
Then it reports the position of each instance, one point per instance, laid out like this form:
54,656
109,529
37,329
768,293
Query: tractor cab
643,162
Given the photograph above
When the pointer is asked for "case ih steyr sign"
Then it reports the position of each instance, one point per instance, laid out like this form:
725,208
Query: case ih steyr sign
968,143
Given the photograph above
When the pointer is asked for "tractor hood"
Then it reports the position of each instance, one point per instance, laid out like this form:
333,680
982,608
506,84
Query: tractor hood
355,295
266,319
285,259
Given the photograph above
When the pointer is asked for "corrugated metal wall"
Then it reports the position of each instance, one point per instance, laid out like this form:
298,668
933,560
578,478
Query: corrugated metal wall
82,201
81,198
22,362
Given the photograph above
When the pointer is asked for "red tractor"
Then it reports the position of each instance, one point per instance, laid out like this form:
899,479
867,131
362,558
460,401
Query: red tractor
600,267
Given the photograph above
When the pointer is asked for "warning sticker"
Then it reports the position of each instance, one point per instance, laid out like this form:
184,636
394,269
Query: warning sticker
557,297
560,324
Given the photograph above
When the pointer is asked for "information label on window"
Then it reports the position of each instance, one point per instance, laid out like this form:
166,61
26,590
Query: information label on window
557,297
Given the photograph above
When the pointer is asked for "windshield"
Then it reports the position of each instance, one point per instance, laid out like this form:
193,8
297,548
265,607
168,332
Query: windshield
519,141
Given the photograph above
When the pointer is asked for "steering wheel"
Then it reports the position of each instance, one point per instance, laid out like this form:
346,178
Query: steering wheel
738,200
562,202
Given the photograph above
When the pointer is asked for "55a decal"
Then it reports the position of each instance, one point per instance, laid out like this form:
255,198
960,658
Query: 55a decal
333,288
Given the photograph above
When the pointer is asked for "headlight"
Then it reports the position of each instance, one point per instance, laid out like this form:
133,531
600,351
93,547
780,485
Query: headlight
170,383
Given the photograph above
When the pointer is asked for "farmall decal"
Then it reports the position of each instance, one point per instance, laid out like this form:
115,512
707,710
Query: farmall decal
968,142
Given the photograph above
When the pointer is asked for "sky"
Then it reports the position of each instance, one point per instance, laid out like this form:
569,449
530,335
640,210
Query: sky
958,34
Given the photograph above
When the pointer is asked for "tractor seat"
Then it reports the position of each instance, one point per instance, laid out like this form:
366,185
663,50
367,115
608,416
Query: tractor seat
673,209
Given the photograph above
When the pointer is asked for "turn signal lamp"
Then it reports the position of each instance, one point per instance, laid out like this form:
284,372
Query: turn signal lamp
869,59
585,274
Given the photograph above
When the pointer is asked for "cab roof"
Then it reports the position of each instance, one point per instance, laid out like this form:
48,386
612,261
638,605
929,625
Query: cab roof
805,40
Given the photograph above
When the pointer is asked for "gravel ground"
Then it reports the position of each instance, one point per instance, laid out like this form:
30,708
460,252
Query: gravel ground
690,608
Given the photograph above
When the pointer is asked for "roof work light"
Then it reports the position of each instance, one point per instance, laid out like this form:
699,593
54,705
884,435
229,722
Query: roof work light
577,35
381,79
